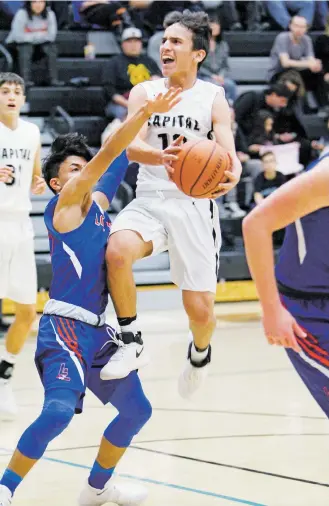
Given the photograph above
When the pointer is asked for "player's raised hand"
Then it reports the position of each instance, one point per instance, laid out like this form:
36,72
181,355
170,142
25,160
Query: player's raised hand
6,175
282,329
38,185
164,102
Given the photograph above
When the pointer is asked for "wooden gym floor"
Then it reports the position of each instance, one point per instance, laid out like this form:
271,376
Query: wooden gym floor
253,435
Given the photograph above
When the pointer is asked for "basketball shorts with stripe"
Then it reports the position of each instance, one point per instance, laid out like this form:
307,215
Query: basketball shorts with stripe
187,228
312,363
70,354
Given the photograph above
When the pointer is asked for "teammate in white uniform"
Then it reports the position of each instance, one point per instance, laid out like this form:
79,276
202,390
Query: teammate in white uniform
19,172
162,217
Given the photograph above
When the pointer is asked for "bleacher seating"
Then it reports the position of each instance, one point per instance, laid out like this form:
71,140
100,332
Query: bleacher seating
84,109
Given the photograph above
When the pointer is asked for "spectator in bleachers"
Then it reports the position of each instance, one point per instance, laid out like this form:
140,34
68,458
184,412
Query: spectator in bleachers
247,109
108,14
126,70
269,180
216,68
158,10
34,28
321,48
243,15
62,13
262,133
137,10
228,204
292,119
282,11
294,50
265,183
248,105
320,14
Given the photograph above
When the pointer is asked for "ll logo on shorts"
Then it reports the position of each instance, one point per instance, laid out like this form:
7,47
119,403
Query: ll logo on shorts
63,373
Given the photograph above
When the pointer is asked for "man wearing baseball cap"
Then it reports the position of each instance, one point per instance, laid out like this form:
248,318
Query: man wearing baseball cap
124,71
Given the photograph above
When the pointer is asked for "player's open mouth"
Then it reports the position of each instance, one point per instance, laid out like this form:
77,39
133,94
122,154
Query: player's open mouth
167,60
12,106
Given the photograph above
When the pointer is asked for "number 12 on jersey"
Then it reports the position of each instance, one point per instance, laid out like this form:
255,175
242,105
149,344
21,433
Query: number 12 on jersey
166,139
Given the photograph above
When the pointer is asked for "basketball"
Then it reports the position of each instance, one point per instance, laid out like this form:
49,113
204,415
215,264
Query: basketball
200,168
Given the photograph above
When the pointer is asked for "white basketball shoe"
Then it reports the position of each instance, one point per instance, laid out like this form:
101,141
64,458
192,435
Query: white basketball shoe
5,496
8,406
129,356
122,494
193,375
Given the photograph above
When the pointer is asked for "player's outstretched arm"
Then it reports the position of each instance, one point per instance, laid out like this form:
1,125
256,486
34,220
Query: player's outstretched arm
140,151
221,118
295,199
78,188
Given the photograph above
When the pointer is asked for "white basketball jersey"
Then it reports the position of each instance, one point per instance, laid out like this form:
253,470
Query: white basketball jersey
18,149
191,117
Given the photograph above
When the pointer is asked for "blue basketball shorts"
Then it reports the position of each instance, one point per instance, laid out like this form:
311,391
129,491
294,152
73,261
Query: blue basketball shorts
312,363
70,354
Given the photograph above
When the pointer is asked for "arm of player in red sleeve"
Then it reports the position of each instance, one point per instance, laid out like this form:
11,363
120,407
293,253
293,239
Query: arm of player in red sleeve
221,118
295,199
140,151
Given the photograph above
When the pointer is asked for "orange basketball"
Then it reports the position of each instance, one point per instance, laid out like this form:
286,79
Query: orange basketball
200,167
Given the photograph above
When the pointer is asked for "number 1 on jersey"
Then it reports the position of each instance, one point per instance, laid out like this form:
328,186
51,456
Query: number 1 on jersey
165,139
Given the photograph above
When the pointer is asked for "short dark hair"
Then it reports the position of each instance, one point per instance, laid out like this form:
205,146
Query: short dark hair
11,78
72,144
197,23
279,89
267,153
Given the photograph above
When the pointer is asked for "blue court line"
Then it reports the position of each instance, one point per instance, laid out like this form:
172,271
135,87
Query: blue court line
162,483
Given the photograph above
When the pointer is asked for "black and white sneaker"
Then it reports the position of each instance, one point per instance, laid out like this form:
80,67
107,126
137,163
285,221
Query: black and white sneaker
129,356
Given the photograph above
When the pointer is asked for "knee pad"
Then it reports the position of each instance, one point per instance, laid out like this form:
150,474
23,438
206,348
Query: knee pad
57,412
128,423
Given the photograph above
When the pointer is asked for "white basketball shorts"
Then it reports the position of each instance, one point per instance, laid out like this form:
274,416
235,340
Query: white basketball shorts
188,228
18,276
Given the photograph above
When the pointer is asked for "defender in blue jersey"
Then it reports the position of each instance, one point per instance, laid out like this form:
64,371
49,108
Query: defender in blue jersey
295,295
74,342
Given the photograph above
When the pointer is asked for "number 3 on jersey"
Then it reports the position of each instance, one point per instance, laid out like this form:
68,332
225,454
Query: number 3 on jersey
13,178
166,139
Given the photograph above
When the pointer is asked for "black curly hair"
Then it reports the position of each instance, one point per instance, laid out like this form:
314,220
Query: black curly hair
72,144
197,23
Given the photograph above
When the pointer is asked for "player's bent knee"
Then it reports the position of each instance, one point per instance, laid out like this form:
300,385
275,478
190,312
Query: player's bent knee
119,254
59,414
138,411
142,413
200,310
53,420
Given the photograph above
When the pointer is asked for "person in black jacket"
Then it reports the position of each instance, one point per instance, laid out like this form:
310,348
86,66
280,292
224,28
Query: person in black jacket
126,70
248,105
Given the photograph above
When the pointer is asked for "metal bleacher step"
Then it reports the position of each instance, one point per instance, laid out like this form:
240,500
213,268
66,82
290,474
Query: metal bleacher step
80,101
249,69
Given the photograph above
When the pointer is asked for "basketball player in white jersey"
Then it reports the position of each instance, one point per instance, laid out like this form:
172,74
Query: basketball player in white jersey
20,169
162,217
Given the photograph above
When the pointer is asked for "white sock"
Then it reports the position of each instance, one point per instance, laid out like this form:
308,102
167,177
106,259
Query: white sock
198,356
9,357
132,327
